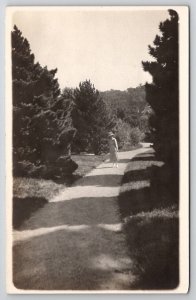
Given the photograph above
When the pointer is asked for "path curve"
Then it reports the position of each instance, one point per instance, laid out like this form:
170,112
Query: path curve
76,242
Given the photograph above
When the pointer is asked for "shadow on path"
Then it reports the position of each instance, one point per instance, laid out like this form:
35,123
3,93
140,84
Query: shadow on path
24,207
76,241
106,180
80,211
88,259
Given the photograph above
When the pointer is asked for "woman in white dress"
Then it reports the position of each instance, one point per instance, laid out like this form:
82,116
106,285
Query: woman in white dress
113,146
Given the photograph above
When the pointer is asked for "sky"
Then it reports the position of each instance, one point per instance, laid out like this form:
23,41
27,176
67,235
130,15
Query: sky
105,46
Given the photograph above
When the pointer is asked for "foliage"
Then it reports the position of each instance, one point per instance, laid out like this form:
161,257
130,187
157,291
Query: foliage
91,119
87,162
127,136
123,134
149,211
42,126
131,112
130,106
163,93
136,136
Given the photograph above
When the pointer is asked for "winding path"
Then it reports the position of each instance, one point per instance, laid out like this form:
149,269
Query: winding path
76,241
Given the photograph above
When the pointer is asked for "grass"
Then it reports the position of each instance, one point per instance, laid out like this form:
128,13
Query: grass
86,163
149,211
31,194
32,187
130,147
77,244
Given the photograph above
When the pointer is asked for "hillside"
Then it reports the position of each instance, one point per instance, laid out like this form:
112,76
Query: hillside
129,105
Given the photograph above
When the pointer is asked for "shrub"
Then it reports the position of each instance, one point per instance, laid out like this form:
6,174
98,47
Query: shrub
127,136
136,136
63,166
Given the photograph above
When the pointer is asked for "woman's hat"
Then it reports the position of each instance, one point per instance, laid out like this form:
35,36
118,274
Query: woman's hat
110,133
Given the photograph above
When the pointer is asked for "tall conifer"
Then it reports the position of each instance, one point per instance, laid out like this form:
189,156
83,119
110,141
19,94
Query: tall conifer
42,126
163,93
91,119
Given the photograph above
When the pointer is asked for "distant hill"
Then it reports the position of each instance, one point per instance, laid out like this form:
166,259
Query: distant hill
129,105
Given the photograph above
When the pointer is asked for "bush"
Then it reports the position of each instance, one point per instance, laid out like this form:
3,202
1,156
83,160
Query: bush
136,136
127,136
149,212
122,133
63,166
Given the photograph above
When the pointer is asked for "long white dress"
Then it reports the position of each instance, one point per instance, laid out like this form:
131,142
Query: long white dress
113,150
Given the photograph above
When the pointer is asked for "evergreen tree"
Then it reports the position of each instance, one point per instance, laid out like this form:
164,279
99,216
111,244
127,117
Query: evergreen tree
42,127
163,93
91,119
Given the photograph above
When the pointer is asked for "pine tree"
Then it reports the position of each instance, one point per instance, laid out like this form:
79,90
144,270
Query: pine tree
22,68
91,119
42,126
163,93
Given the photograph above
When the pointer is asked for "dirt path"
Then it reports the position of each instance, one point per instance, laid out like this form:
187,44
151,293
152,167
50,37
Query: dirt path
75,242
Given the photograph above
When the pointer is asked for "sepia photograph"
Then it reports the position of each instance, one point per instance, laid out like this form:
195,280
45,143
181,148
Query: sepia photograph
97,155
